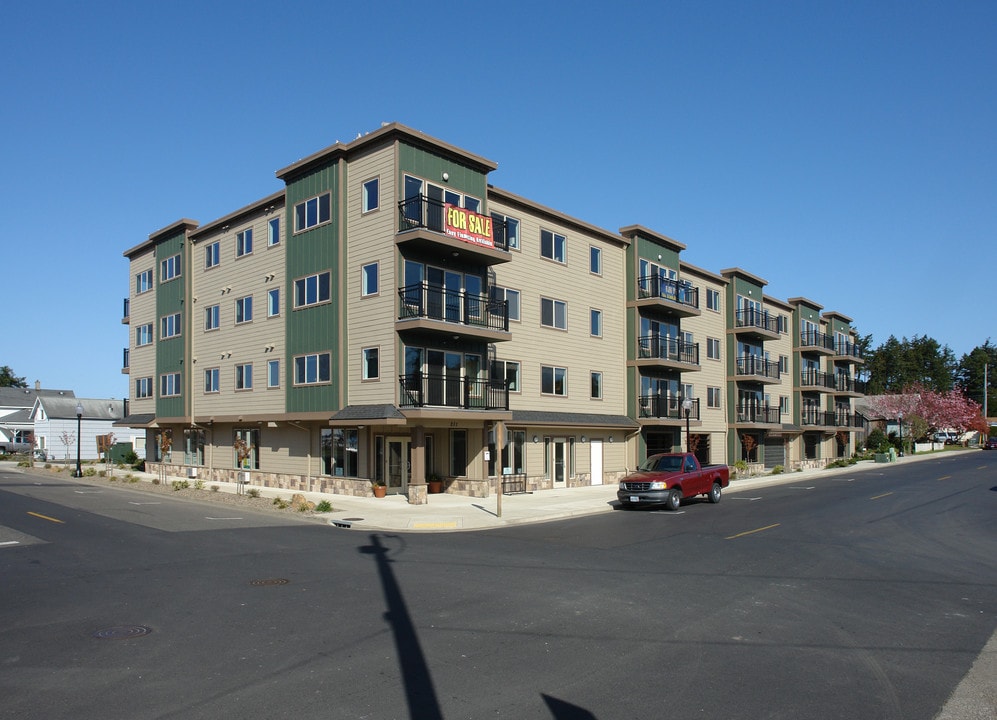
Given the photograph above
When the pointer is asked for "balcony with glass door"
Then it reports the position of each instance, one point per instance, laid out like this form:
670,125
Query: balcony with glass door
814,341
671,297
757,323
756,369
665,410
432,227
457,314
450,390
817,381
751,414
662,352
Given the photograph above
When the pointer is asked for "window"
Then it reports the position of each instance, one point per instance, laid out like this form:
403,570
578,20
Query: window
472,204
552,246
273,232
312,212
312,369
713,348
370,195
507,370
143,335
169,269
143,282
713,300
596,324
313,290
273,302
783,324
511,297
713,397
596,386
371,370
595,260
784,404
143,388
169,385
783,363
339,451
368,279
273,373
169,326
246,448
211,316
553,313
244,242
511,229
211,380
553,380
244,309
244,377
212,255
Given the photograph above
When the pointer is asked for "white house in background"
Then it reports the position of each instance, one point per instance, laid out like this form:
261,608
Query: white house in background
55,424
16,405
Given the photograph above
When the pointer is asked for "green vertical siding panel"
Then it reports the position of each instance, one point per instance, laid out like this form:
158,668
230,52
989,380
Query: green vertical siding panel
431,166
650,250
169,300
314,329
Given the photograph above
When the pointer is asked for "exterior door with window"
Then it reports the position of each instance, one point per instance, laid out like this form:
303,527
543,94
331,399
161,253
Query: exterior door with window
559,460
397,464
595,458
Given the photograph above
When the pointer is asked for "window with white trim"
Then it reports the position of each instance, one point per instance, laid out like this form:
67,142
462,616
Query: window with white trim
553,246
713,348
143,335
212,255
169,326
553,380
212,314
244,242
273,302
273,232
143,388
371,195
596,392
169,269
143,282
313,212
511,298
713,300
507,370
313,369
370,364
553,313
713,397
595,326
273,373
595,260
169,385
511,229
244,309
211,380
368,279
313,290
244,376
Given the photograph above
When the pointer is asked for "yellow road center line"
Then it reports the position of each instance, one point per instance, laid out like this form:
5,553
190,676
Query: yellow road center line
750,532
876,497
46,517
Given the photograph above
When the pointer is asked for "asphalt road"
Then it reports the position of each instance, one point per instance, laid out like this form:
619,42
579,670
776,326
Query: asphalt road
848,597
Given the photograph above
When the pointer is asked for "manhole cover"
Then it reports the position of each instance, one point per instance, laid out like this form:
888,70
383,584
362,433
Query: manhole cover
269,581
120,632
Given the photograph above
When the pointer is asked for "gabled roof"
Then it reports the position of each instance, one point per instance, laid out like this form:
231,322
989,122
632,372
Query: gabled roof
93,409
11,397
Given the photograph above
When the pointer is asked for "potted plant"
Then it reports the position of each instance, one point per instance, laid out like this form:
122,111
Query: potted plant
435,483
379,488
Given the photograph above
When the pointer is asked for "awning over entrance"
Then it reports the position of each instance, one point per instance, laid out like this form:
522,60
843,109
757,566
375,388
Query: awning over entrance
367,414
142,420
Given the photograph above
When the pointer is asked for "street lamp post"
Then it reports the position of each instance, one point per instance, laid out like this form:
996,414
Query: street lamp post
687,406
79,423
900,417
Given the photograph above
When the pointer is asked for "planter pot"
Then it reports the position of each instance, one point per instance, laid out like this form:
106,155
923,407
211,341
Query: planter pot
435,486
380,490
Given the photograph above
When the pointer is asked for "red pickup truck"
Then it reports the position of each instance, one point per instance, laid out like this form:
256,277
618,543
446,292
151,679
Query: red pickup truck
667,478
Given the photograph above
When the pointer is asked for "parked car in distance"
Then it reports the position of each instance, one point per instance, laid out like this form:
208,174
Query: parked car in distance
667,478
990,444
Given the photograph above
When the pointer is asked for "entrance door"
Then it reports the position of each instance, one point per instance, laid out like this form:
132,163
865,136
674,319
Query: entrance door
595,457
560,460
397,464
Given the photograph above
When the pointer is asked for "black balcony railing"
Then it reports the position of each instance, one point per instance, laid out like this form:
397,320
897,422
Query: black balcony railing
752,318
814,416
755,413
425,390
814,339
126,313
816,378
677,291
843,417
125,355
425,300
424,212
758,367
845,384
665,407
847,349
655,347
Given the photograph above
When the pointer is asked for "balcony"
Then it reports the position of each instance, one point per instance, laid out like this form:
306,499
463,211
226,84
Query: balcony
666,352
125,360
758,323
847,351
814,417
423,227
844,385
658,407
671,297
844,418
432,308
443,391
126,313
757,369
815,380
813,341
755,414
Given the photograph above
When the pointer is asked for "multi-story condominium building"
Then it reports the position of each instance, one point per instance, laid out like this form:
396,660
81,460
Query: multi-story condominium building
391,316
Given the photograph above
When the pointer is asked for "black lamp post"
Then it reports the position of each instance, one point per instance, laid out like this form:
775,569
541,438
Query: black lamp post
900,418
79,423
687,406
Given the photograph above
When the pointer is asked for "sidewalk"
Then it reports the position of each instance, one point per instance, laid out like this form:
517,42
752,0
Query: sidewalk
455,513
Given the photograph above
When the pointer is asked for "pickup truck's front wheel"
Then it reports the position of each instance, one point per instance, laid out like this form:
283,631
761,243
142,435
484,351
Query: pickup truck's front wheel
716,492
674,499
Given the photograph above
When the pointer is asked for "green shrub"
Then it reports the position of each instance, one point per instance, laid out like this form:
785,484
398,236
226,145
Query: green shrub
778,470
90,472
280,503
877,441
324,506
180,485
253,492
199,484
130,458
214,488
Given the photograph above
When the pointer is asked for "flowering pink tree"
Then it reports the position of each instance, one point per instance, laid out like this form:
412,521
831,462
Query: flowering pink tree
950,409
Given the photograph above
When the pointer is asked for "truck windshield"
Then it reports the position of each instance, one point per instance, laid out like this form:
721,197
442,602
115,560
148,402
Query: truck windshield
662,463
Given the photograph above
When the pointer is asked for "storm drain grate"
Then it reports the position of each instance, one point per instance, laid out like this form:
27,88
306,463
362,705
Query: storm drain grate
121,632
269,581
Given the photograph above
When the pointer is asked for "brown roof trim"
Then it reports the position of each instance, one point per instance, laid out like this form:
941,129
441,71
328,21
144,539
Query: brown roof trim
841,316
185,225
630,230
806,301
511,198
387,132
688,267
776,301
251,209
745,274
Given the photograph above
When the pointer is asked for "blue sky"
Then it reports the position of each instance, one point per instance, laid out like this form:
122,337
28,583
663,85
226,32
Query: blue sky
842,151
